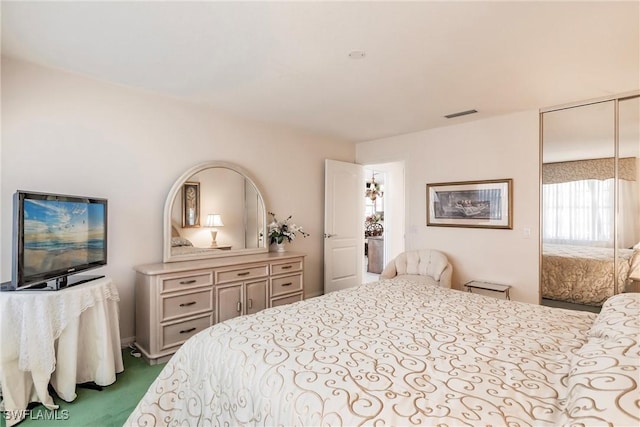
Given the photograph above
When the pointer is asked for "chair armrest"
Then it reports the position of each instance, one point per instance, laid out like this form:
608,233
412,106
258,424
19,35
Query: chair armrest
389,271
445,277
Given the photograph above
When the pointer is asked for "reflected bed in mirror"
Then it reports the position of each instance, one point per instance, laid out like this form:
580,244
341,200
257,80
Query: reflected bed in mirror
230,213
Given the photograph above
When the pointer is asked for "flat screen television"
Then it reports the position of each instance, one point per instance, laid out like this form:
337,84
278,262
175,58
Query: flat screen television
55,237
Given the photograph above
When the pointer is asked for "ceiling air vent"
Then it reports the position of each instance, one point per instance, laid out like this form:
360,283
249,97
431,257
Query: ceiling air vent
461,113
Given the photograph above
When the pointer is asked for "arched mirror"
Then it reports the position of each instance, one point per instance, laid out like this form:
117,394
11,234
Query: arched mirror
213,210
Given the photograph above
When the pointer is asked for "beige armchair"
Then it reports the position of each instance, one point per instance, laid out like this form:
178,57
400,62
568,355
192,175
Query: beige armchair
429,264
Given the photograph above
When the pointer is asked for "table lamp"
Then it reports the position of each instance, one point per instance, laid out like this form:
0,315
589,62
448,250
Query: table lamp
214,220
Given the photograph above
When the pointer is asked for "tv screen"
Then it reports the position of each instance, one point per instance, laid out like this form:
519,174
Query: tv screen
57,236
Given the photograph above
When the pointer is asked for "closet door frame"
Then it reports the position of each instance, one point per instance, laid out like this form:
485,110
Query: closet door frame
616,136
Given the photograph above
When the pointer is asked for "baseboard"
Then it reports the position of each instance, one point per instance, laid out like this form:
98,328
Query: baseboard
124,342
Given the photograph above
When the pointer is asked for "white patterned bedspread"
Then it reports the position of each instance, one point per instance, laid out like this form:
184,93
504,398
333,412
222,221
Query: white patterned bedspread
400,353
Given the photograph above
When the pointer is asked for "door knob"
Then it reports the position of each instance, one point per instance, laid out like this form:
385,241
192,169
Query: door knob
328,236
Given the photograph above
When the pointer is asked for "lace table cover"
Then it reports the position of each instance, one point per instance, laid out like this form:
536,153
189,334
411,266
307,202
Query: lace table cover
30,324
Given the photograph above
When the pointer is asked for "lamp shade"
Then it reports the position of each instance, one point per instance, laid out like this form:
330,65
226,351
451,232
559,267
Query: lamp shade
214,220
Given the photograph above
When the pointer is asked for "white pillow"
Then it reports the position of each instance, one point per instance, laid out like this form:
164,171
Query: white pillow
180,241
620,316
602,386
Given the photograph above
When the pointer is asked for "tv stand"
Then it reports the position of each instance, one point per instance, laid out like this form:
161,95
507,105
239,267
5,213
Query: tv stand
63,282
53,285
68,281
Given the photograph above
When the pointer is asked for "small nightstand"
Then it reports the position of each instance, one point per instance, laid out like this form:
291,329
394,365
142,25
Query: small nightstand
494,287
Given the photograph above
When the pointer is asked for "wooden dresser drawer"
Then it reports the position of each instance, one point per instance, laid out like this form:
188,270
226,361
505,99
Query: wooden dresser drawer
187,281
286,267
186,304
275,302
177,333
239,273
286,284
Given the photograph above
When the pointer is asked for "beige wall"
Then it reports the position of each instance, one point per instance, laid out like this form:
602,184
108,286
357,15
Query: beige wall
495,148
62,133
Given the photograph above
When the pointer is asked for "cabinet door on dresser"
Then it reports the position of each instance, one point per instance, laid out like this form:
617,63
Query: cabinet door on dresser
240,298
228,301
240,290
255,296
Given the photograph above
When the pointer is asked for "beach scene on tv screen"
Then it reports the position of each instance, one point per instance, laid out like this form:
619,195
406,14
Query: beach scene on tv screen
61,235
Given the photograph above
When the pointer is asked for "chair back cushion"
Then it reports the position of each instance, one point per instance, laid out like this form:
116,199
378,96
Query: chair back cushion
425,262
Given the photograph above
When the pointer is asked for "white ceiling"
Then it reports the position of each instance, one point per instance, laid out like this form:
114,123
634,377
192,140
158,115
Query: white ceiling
287,62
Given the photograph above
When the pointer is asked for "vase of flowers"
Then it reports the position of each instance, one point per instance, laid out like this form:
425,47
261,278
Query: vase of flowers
283,231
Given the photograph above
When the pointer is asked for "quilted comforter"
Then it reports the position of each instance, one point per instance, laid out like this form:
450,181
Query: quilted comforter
583,274
396,352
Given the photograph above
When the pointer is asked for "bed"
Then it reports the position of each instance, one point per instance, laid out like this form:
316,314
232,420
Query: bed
584,274
397,352
181,247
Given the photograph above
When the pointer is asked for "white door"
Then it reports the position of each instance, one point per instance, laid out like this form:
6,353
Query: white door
343,225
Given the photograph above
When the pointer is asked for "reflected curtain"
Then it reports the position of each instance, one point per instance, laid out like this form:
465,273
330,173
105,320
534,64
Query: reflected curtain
579,212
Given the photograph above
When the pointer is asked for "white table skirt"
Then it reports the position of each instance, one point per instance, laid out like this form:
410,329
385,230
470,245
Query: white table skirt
61,337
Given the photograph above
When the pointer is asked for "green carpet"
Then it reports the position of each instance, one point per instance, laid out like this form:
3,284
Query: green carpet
106,408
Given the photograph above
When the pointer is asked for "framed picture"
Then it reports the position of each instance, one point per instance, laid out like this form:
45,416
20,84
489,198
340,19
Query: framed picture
191,204
482,204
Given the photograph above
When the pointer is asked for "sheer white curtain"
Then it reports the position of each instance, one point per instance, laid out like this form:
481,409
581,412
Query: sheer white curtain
629,214
579,212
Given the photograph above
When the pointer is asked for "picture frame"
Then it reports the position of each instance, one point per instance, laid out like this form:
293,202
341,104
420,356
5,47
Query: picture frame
191,205
475,204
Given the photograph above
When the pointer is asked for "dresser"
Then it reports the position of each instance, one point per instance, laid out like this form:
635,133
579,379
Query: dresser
176,300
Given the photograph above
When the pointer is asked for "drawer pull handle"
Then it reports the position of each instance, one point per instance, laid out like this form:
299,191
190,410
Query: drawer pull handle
287,284
286,267
188,282
186,331
187,304
245,273
250,305
239,307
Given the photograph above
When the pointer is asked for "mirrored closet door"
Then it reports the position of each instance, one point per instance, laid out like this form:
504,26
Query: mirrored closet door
589,203
628,226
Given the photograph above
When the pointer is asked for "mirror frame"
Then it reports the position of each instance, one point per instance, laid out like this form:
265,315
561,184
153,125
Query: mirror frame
168,205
